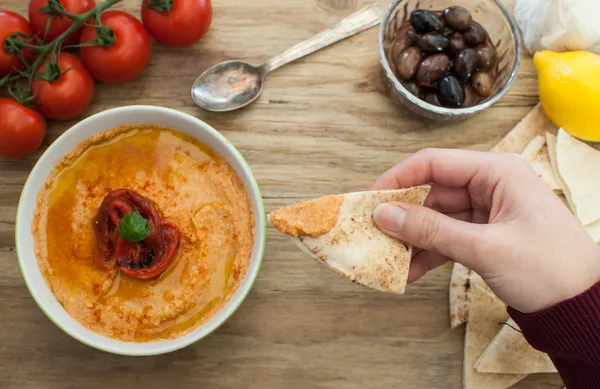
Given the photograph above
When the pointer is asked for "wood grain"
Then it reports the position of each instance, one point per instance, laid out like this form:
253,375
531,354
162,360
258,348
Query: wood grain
323,125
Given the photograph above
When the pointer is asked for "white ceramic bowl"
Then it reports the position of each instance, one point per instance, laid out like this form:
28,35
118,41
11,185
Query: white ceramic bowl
69,140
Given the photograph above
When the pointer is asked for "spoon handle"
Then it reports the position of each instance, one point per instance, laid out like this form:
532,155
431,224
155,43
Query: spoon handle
361,20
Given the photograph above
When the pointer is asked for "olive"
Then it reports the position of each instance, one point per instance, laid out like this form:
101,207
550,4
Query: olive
432,68
486,57
426,21
457,43
432,98
433,42
451,93
471,98
475,35
412,35
408,62
483,83
457,18
413,88
464,65
397,48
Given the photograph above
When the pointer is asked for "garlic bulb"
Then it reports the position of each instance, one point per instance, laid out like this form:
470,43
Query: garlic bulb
558,25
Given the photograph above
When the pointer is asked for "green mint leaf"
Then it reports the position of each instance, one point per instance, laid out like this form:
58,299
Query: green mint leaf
134,228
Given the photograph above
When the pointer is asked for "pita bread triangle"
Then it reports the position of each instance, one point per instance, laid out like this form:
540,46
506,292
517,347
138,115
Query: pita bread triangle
461,287
576,161
459,295
509,353
536,154
534,123
551,145
485,314
353,246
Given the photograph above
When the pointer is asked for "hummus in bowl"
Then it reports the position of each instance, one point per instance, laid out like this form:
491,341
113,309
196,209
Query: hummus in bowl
140,230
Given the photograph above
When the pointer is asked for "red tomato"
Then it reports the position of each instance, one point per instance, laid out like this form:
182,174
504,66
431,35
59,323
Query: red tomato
187,23
59,23
67,97
122,60
22,129
10,23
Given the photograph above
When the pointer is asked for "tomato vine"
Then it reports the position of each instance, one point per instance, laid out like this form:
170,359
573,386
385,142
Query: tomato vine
19,82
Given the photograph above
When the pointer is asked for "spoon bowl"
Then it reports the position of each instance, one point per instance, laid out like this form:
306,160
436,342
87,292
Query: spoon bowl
228,86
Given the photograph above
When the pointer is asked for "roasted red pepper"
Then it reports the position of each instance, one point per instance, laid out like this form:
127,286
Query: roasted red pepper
143,260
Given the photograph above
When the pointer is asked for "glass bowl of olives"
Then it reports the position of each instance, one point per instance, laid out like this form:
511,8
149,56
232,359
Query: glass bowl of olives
448,60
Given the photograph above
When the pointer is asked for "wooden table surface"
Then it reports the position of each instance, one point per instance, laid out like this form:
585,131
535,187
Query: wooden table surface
323,125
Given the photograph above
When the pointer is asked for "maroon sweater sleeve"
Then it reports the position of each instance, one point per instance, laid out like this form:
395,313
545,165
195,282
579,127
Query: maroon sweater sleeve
569,333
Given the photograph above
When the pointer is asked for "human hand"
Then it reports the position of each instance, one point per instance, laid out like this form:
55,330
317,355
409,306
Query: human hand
491,213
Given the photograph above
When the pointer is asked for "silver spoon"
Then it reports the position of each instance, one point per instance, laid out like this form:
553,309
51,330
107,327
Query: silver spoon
234,84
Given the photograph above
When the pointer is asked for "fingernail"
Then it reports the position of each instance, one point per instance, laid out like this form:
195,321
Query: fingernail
389,217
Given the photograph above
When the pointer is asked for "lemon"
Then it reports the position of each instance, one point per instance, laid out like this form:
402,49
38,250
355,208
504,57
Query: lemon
569,87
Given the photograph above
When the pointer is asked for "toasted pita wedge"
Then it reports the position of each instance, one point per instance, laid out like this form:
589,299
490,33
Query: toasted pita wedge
536,154
461,285
486,312
575,161
459,295
534,123
350,243
551,145
509,353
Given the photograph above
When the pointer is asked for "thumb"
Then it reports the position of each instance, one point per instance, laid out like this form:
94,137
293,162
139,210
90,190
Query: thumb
429,230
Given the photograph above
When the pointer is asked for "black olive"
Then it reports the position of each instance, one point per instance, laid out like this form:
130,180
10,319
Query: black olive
457,18
433,42
432,68
451,93
432,98
407,62
426,21
457,43
464,65
475,35
483,83
486,57
413,88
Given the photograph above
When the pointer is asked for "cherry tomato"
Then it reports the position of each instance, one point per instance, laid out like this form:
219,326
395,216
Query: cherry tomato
126,57
22,129
185,24
59,23
68,96
10,23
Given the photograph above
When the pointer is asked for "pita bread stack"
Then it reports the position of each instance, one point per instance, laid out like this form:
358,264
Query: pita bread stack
351,244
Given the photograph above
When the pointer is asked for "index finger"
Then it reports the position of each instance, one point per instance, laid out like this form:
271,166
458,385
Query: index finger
453,168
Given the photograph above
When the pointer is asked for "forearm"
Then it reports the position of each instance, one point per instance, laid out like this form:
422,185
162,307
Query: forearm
569,333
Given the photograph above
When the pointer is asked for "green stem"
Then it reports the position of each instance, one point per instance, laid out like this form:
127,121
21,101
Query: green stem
8,79
78,21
